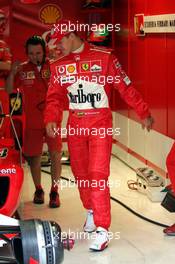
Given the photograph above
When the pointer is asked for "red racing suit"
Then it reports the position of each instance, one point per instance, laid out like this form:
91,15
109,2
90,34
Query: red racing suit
87,78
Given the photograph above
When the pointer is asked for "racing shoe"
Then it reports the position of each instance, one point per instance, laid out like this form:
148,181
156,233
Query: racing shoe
54,200
89,225
170,231
101,241
38,196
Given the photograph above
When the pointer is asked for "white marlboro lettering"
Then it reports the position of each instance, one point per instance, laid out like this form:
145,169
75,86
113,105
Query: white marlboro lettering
87,95
80,97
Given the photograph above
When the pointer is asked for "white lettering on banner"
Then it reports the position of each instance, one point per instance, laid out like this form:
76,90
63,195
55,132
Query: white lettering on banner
159,23
8,171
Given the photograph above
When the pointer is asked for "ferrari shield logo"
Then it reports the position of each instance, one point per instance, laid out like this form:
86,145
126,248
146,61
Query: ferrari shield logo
45,74
15,103
3,153
85,66
30,75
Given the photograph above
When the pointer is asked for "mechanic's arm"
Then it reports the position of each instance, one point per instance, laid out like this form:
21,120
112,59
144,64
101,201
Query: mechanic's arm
5,66
6,57
54,104
130,95
15,68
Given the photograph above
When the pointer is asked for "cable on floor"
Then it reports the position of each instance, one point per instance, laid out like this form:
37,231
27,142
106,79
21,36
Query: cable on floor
122,204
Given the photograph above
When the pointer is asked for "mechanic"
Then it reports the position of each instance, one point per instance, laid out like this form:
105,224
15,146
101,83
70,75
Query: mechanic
5,55
5,65
32,78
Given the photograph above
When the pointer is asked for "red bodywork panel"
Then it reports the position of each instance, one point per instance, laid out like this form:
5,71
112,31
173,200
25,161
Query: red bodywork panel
11,177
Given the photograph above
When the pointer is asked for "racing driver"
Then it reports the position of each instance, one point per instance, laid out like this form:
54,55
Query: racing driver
76,75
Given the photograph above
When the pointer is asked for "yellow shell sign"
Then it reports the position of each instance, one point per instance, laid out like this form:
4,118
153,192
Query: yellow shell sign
50,14
71,68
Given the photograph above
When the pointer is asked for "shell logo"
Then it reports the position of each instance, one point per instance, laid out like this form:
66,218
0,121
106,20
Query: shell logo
50,14
71,68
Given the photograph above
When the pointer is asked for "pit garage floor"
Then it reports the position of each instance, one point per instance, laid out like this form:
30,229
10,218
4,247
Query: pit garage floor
134,241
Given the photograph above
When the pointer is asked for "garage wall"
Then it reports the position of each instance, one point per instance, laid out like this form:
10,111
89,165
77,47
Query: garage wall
26,21
149,62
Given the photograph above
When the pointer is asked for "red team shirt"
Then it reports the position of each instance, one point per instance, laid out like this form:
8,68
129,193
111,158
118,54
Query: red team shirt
34,85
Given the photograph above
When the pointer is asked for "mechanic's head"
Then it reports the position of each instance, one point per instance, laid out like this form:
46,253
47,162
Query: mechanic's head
36,49
3,21
65,37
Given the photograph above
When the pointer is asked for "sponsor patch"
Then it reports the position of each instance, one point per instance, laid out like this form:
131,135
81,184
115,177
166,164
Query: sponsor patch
30,75
15,103
67,79
23,75
84,98
127,80
68,69
124,77
90,66
3,153
122,74
85,66
117,64
45,74
96,66
71,69
61,69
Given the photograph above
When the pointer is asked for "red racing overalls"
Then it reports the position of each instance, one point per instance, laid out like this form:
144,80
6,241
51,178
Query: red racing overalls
87,79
